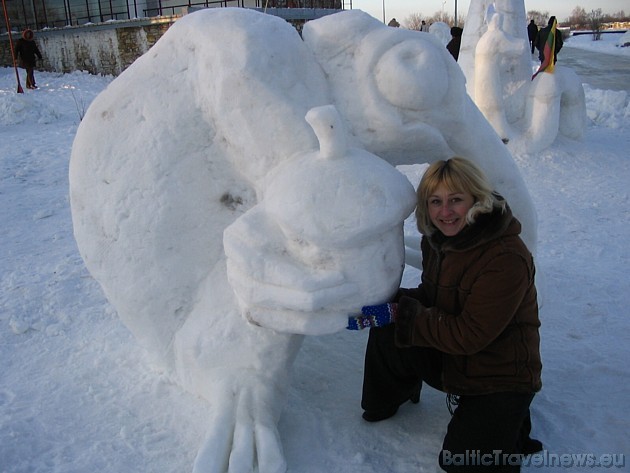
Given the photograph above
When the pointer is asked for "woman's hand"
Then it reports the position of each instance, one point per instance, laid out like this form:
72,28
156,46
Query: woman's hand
373,316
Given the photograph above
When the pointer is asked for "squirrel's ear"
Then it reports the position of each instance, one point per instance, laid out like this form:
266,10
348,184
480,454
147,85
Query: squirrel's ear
326,41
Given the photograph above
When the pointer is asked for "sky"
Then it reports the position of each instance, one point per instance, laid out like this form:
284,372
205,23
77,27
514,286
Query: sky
401,9
78,394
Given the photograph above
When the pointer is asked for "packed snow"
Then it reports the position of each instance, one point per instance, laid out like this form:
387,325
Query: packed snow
78,393
609,43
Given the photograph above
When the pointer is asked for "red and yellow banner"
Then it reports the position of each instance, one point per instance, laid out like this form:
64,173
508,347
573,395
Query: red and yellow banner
547,65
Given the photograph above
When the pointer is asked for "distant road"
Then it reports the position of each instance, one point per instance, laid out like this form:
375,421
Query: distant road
601,71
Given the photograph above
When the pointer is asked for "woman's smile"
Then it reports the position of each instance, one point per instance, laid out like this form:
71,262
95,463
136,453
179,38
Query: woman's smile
448,209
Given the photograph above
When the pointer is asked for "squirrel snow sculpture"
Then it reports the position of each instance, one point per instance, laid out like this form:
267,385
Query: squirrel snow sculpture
177,178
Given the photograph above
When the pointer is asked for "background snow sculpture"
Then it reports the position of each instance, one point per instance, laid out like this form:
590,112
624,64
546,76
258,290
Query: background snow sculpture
497,63
442,31
516,71
500,77
184,158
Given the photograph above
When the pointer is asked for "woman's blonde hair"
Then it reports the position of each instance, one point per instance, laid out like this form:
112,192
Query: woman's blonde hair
458,175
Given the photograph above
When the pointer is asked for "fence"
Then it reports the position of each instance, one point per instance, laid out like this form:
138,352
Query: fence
42,14
110,47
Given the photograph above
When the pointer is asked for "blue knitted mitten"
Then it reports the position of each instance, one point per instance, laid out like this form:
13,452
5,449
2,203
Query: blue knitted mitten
373,316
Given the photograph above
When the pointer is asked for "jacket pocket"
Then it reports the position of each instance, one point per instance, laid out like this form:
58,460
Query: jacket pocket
496,360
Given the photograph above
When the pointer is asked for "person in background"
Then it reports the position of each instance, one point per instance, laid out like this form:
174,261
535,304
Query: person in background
456,41
470,329
424,27
541,39
27,53
393,23
532,32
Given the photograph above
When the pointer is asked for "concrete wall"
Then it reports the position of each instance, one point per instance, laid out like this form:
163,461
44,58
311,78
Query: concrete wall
109,48
106,49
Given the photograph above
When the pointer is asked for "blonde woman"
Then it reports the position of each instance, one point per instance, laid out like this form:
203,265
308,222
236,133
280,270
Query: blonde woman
469,329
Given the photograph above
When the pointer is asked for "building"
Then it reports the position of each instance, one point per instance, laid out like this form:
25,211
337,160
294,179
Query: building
40,14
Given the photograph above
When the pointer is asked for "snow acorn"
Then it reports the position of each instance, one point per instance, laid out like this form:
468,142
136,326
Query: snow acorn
339,209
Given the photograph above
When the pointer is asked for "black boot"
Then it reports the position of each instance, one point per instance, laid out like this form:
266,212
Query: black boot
386,413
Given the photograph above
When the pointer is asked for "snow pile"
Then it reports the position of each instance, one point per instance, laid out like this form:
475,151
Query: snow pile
610,108
607,44
22,108
36,110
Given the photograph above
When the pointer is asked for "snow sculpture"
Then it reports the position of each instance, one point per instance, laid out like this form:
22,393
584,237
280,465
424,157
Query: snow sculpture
497,63
223,232
332,211
442,31
410,104
494,49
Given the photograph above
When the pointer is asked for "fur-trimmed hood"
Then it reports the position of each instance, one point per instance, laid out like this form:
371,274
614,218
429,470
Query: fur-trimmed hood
487,227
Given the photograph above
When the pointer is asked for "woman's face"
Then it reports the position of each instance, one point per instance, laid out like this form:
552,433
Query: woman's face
448,209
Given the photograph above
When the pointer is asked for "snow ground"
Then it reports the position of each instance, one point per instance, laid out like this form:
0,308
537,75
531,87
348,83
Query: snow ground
78,395
608,44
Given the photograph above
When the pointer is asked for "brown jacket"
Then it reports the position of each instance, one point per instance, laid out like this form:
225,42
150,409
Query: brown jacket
478,305
26,52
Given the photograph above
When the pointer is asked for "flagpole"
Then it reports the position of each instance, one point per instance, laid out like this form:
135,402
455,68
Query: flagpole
456,13
17,74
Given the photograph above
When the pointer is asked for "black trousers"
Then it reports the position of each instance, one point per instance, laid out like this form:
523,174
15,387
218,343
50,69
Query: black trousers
30,77
486,432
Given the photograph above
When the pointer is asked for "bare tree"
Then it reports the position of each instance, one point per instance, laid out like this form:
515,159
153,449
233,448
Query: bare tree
618,16
443,17
413,21
595,20
540,18
578,19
